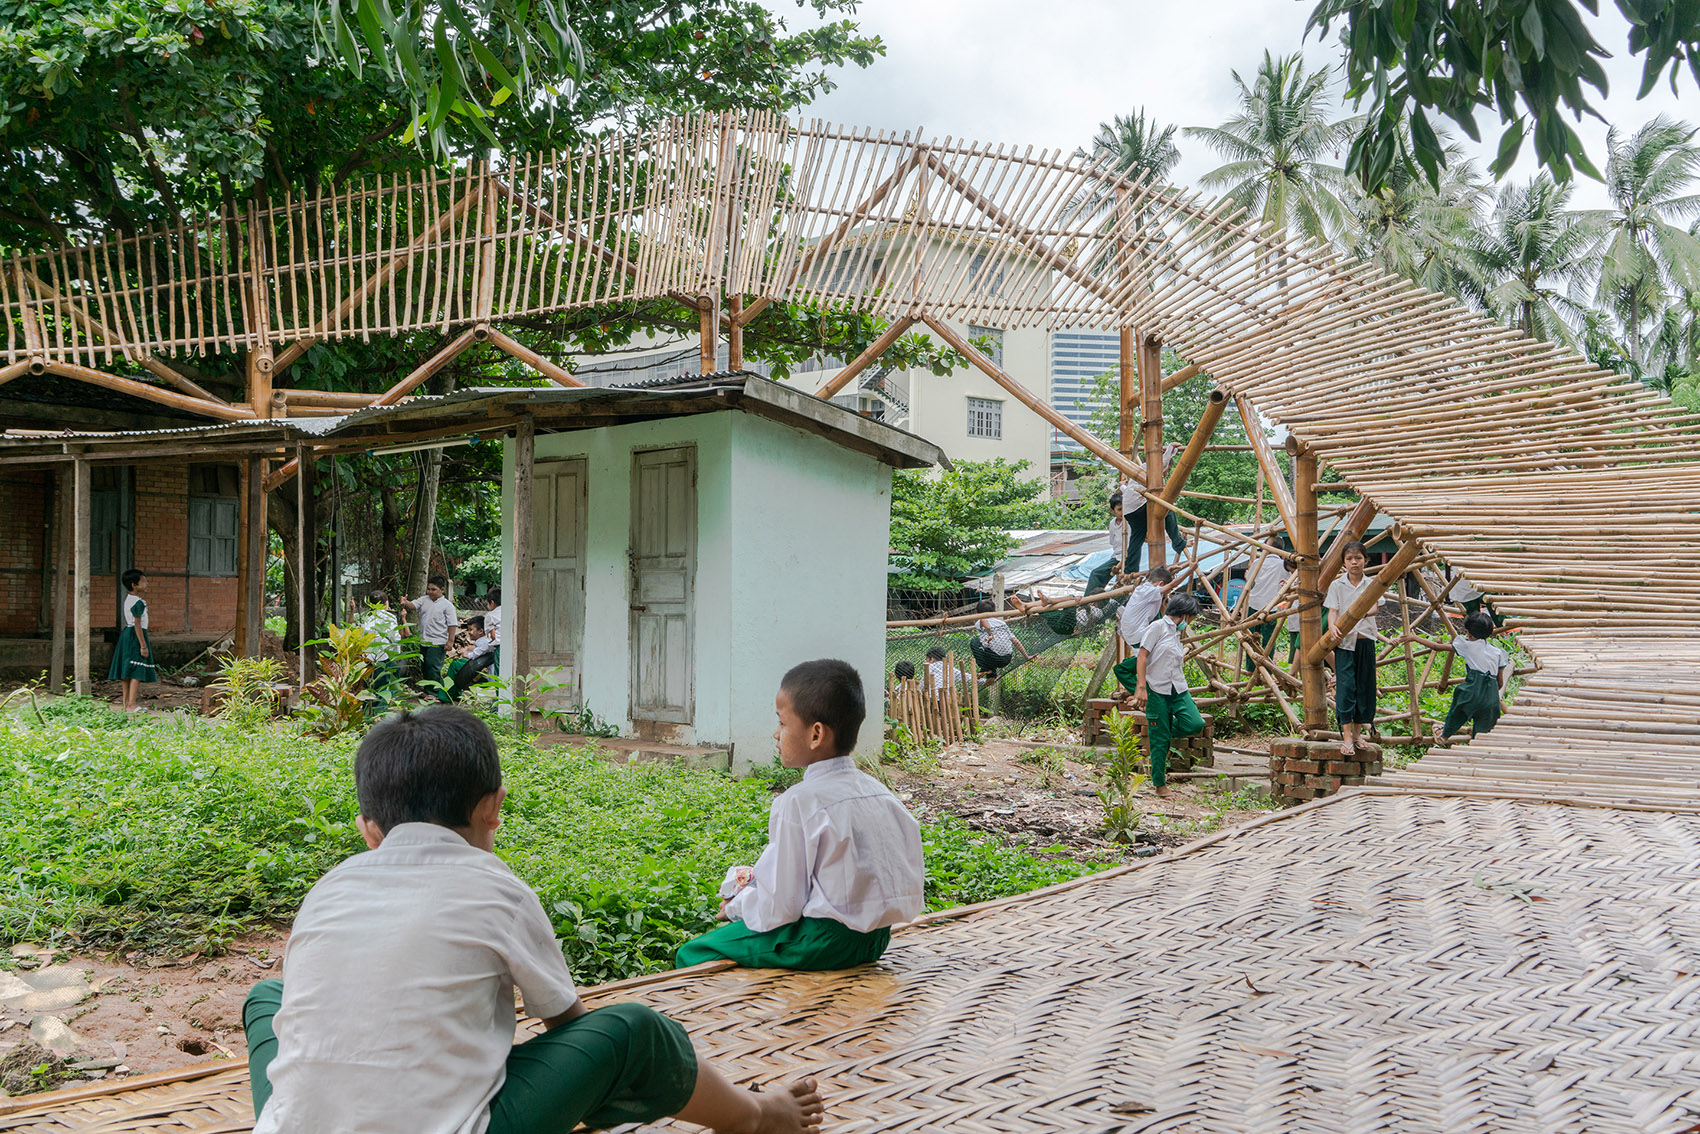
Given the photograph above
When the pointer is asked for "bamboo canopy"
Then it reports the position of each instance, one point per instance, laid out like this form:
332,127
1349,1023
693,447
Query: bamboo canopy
1569,494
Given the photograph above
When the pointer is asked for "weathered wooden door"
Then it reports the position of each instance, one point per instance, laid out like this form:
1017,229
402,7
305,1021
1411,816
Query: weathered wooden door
558,500
663,584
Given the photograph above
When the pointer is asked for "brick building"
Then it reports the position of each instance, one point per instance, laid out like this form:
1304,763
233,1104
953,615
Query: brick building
177,521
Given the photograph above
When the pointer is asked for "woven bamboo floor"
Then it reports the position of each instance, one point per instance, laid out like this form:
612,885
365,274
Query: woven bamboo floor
1376,962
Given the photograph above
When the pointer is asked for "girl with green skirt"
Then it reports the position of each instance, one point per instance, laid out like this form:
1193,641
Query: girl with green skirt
1487,670
132,660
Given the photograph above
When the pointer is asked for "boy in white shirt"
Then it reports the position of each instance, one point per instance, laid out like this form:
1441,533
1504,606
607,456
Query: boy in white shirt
464,672
1100,577
843,860
1487,671
1354,649
381,622
1143,606
1159,686
395,1014
493,626
437,625
993,644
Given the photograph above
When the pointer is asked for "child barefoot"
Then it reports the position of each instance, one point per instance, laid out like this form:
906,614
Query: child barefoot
395,1014
843,859
1354,650
132,659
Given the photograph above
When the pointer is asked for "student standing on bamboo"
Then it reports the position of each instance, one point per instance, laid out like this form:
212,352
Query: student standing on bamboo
1354,649
1160,688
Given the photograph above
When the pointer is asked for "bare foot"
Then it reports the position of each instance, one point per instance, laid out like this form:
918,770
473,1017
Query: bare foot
791,1111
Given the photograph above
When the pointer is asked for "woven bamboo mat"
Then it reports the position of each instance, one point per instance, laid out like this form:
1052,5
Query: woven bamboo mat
1376,962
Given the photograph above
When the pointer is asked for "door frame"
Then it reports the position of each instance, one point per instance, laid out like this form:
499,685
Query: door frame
688,715
582,544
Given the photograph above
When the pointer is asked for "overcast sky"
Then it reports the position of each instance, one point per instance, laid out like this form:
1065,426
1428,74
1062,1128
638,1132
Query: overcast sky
1048,72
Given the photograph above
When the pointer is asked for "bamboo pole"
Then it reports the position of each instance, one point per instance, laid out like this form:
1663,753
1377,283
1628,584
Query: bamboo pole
865,359
1367,601
1304,535
517,630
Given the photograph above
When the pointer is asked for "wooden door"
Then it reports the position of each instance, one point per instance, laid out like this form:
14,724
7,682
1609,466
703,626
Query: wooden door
663,584
558,500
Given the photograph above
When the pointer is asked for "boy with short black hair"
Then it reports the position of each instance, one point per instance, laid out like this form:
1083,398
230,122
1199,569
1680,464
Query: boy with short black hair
438,622
1159,686
493,626
843,860
472,666
1144,606
395,1014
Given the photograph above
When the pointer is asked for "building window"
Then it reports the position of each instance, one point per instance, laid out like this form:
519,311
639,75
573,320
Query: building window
981,282
110,504
985,418
213,508
992,349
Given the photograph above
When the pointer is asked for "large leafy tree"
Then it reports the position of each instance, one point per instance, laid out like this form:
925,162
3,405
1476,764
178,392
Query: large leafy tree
947,527
1280,148
1528,262
1525,60
1644,254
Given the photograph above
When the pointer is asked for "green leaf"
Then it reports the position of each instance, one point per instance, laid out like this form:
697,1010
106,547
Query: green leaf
1510,142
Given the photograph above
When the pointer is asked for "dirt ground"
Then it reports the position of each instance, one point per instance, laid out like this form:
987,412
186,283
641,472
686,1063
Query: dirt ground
131,1015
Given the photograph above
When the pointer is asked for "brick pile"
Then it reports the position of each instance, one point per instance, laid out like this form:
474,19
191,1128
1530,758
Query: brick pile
1302,769
1185,753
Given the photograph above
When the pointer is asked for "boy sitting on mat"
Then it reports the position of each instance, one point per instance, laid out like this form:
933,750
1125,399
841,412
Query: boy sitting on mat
843,858
395,1014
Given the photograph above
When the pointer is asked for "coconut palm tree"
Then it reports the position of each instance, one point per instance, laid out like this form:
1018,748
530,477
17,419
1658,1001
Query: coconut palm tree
1412,229
1641,256
1280,149
1130,146
1527,264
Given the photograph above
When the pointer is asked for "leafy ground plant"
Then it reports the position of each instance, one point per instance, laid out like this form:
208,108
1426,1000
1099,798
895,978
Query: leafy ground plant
174,834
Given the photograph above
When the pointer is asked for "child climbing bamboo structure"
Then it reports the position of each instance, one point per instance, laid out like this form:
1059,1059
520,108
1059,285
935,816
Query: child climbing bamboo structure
1479,701
843,859
1156,677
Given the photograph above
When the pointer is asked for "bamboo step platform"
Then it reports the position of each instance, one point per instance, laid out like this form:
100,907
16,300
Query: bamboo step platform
1377,961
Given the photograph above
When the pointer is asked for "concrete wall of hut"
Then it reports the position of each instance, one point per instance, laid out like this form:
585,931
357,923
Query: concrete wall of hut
792,537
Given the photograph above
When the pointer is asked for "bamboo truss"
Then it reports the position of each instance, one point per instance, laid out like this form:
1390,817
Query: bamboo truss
1570,495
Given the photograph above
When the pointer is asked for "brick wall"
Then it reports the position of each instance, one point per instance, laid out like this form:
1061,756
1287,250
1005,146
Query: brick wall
177,602
23,534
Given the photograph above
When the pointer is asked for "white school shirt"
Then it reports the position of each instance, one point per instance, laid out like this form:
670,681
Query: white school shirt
996,637
839,846
935,674
1143,605
1341,594
1266,583
398,990
1480,655
1165,656
437,620
382,622
130,619
1117,532
483,646
493,625
1462,589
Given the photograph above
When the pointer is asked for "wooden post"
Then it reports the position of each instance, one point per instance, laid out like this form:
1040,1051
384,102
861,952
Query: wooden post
80,542
516,626
1310,569
253,584
305,536
64,519
708,316
239,633
1128,368
735,333
1151,430
1188,459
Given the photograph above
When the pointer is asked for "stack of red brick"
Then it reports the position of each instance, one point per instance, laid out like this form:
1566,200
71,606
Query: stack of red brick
1310,769
1185,752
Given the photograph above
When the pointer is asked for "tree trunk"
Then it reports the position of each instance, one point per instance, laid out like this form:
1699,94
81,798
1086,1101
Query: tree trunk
425,518
389,550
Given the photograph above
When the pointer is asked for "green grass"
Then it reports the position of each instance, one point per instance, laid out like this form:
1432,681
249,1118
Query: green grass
170,835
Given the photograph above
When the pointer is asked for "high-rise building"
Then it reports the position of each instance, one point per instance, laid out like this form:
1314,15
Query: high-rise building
1079,355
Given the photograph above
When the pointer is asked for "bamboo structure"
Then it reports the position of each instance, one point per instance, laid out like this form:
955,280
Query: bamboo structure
931,710
1569,494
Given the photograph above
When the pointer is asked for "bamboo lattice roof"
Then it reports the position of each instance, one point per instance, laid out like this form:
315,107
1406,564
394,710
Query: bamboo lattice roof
1376,962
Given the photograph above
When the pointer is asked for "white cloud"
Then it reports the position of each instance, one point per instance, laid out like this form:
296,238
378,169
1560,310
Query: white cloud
1046,74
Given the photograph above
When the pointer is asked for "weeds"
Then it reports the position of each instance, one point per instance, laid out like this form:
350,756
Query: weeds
250,698
1048,767
1122,778
175,834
